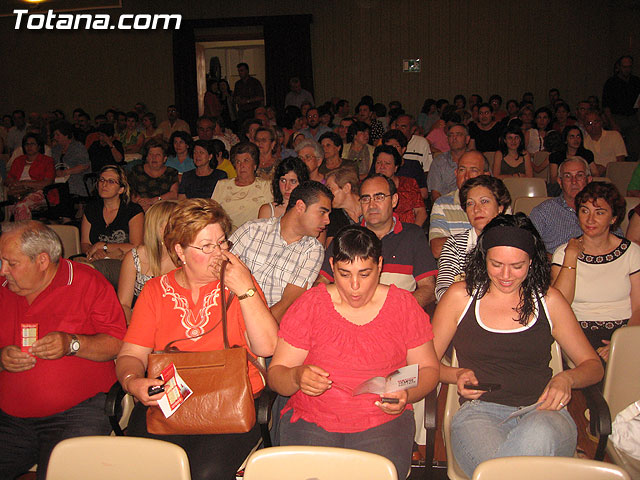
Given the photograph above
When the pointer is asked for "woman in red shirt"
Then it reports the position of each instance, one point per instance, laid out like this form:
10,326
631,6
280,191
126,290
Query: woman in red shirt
28,175
333,338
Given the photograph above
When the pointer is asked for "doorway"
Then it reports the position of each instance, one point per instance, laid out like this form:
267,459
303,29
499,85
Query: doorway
218,59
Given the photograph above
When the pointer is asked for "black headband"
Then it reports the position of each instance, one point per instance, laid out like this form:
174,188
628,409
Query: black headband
505,236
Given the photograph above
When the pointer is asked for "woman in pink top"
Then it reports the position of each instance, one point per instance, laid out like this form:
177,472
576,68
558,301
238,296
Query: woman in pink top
335,337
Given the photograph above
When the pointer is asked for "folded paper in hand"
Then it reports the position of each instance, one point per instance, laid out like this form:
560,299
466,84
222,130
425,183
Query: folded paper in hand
176,391
402,379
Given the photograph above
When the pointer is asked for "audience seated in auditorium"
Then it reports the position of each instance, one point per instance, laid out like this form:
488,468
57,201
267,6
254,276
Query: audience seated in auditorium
447,216
150,130
332,147
297,94
17,131
345,206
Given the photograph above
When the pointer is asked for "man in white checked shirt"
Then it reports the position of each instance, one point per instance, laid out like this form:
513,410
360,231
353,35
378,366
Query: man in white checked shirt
283,253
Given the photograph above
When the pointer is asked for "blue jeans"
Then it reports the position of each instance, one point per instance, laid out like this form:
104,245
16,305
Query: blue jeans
393,440
476,435
27,441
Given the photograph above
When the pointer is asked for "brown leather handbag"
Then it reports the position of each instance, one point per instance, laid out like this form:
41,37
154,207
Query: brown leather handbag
222,400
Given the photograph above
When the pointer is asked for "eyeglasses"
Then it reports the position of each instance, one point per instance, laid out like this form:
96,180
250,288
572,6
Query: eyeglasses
306,158
209,248
578,176
376,197
109,181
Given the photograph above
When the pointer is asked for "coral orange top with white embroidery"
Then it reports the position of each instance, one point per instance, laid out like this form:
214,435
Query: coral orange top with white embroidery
165,311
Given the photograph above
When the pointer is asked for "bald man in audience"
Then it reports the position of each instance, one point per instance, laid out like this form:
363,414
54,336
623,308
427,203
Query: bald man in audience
447,216
607,145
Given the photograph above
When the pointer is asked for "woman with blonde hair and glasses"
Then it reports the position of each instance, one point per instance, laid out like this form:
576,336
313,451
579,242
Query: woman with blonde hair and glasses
146,261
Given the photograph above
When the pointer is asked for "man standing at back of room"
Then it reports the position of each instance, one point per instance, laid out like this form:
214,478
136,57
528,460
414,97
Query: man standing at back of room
248,93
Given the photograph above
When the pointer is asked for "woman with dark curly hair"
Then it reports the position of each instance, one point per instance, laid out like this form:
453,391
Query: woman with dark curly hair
289,173
180,152
483,198
599,272
502,321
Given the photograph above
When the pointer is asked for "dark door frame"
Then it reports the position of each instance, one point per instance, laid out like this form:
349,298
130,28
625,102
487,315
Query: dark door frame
287,41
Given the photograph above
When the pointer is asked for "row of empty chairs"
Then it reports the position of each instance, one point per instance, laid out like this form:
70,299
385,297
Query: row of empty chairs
106,458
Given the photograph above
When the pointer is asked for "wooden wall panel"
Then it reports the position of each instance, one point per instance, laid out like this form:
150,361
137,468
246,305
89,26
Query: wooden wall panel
465,46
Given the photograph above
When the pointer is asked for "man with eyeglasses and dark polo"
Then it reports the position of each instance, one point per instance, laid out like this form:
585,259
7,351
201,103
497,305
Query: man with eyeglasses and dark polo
407,260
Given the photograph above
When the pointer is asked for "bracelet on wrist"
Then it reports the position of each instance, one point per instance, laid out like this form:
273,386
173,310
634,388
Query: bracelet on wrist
124,381
568,267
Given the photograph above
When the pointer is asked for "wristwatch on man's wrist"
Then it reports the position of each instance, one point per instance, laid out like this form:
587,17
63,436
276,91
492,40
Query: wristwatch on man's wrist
74,345
249,293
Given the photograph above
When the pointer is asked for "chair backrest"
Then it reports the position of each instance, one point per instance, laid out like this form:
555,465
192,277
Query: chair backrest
490,156
549,468
321,463
525,187
452,404
526,204
620,174
622,376
632,202
70,236
121,458
537,159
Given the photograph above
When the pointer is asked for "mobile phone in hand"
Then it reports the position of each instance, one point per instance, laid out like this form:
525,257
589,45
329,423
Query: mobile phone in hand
155,390
485,387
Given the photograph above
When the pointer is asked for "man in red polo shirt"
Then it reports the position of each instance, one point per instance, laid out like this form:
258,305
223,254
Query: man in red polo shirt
61,327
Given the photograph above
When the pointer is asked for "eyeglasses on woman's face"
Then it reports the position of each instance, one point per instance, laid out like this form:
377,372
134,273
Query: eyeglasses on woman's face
209,248
108,181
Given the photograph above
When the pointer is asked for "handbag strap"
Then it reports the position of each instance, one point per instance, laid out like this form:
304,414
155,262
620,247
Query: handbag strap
225,303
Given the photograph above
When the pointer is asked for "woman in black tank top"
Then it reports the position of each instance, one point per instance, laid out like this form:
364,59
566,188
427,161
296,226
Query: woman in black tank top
502,321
